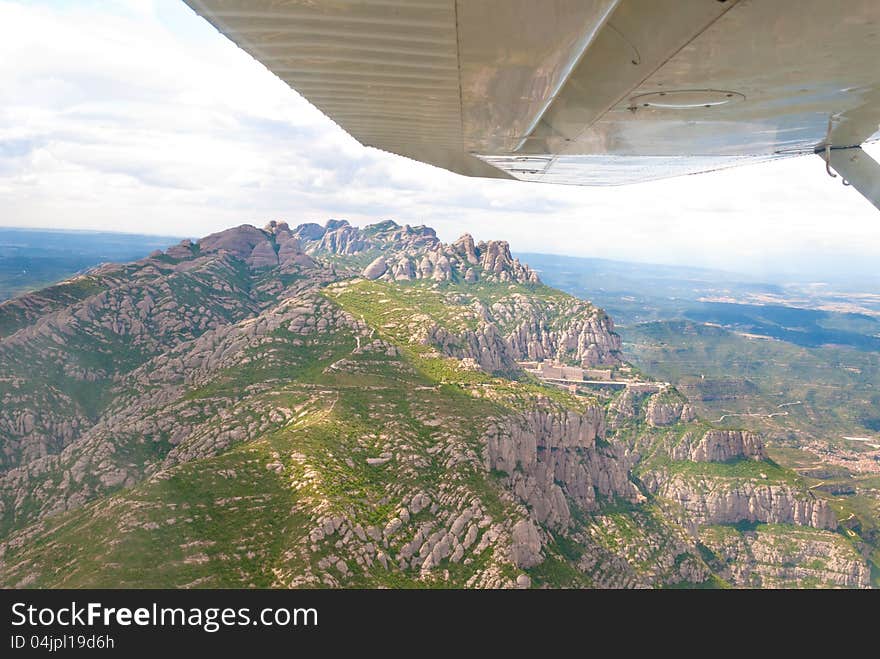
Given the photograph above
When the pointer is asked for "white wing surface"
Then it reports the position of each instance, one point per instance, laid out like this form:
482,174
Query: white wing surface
589,92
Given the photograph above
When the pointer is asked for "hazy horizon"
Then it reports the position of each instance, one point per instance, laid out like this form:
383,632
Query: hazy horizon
143,119
861,280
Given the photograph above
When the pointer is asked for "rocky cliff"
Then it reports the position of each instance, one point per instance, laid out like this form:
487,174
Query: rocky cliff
720,446
565,329
779,557
665,410
550,459
405,253
711,500
725,477
483,346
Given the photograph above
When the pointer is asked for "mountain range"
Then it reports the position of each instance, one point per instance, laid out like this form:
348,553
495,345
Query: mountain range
334,406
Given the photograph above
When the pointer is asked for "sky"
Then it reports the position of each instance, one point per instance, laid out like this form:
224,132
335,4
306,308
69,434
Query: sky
138,116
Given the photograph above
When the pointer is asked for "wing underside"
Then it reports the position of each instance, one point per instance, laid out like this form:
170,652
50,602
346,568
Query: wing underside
588,92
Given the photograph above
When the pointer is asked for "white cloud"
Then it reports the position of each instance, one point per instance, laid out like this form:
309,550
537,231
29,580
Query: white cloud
135,115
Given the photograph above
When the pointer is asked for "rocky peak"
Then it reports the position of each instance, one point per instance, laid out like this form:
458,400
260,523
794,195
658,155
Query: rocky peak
724,445
495,257
465,246
333,225
668,407
269,247
309,231
414,252
383,226
376,269
335,237
277,228
389,235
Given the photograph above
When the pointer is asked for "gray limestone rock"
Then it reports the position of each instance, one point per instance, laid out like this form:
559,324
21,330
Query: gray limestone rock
376,269
525,545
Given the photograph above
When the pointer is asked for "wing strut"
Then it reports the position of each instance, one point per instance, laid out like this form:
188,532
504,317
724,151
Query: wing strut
857,168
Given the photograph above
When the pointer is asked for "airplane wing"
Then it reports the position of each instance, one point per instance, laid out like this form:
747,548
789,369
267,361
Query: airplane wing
589,92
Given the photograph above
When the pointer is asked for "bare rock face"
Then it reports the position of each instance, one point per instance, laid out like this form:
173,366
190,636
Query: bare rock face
263,256
376,269
665,411
467,249
238,241
433,264
496,260
310,232
721,446
525,547
339,237
343,240
589,340
258,248
402,269
578,333
290,252
708,501
688,413
38,428
335,237
782,558
274,245
484,345
549,457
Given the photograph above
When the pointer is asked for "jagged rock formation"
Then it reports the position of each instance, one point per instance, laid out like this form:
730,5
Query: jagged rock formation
568,330
335,406
410,253
340,238
717,501
664,410
274,245
721,446
726,495
779,557
551,458
625,409
484,346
